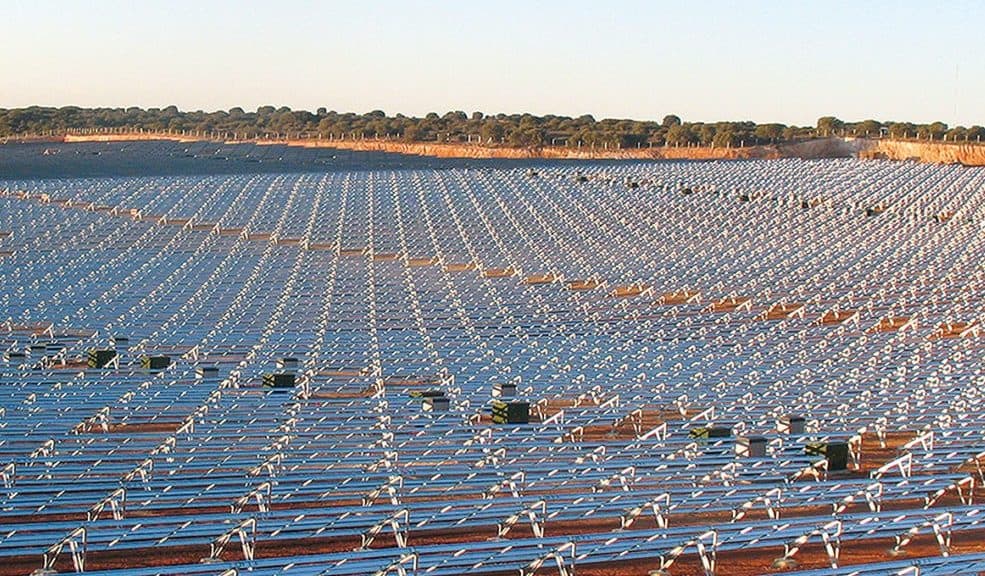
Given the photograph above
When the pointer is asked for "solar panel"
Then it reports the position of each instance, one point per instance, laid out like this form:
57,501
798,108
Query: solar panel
471,370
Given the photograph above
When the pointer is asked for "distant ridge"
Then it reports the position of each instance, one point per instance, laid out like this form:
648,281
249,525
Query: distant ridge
520,131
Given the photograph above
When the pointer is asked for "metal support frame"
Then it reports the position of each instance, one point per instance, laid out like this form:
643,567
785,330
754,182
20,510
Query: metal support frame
117,501
393,521
631,515
872,494
530,511
706,545
394,483
399,566
830,534
246,531
261,493
77,542
964,487
903,465
941,526
8,474
558,556
513,483
771,501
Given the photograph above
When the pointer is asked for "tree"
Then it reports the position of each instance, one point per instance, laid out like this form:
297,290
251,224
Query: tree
901,130
956,134
377,127
671,120
491,131
412,133
769,132
724,139
937,130
454,126
868,128
706,134
679,134
657,138
285,122
829,125
516,132
326,127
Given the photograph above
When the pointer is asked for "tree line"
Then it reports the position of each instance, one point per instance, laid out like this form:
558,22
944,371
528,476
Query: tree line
524,130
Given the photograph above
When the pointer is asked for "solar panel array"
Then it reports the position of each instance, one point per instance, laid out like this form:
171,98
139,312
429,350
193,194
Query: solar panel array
668,324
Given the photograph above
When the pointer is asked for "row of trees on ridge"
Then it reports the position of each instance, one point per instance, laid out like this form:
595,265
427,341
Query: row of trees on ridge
524,130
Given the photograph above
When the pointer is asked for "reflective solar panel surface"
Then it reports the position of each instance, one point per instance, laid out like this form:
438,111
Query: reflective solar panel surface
356,364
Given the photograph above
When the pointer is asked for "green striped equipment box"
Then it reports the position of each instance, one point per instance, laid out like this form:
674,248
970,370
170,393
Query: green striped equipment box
100,358
510,412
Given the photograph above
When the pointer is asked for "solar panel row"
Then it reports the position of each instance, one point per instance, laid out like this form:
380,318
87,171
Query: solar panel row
703,348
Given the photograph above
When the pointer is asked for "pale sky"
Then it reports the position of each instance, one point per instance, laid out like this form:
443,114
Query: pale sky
786,60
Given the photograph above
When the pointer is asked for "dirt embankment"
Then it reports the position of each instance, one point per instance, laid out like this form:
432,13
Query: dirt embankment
824,148
134,137
451,150
461,150
930,152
